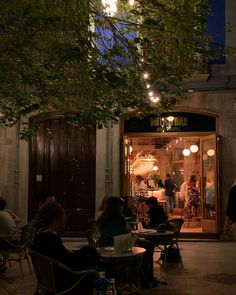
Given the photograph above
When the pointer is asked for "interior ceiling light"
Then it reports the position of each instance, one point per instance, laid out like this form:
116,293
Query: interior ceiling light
211,152
186,152
194,148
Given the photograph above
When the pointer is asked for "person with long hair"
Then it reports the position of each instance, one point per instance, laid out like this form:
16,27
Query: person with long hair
111,220
36,224
112,223
156,214
48,242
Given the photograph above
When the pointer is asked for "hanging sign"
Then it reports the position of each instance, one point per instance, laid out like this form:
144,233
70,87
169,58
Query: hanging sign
171,122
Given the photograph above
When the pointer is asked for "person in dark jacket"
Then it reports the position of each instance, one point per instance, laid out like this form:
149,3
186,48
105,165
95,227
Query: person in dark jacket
230,219
169,187
48,242
156,213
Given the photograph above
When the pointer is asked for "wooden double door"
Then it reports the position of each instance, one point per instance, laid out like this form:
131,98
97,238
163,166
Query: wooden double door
62,161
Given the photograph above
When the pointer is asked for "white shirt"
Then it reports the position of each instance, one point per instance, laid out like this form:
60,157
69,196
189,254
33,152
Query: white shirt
140,187
7,226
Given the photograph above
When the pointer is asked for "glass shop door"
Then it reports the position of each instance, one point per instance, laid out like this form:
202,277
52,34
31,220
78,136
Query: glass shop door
209,184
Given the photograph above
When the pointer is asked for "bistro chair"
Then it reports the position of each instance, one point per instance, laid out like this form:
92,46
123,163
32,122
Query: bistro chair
8,288
171,241
46,270
18,252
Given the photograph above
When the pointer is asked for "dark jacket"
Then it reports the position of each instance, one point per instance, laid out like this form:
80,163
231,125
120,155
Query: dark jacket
157,216
231,207
169,187
51,245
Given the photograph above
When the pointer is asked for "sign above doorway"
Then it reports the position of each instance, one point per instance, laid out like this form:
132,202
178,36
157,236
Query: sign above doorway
180,122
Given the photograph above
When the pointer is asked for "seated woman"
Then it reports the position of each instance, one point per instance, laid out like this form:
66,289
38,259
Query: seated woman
8,228
112,223
129,209
156,214
49,243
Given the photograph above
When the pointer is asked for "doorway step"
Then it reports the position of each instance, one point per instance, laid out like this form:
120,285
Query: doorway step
199,237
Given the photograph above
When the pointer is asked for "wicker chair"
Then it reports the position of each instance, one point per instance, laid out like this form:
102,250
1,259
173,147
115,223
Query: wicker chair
46,270
18,252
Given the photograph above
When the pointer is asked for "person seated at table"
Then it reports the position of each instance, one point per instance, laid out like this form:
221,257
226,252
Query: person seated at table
112,223
36,224
8,228
129,210
8,235
155,214
49,243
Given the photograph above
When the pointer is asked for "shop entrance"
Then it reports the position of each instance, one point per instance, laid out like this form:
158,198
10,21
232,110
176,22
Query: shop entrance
190,159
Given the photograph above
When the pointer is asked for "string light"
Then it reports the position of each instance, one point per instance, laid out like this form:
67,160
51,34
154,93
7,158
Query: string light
110,7
145,75
156,99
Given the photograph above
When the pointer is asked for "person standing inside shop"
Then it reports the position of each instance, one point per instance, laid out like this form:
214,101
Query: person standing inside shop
140,187
230,219
169,187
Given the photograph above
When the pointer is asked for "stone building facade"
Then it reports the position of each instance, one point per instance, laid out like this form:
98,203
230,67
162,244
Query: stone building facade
214,93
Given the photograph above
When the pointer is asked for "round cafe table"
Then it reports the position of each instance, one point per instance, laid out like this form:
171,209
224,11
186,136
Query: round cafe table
109,252
125,265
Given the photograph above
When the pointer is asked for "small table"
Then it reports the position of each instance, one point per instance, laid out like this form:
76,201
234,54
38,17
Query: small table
109,252
152,233
125,264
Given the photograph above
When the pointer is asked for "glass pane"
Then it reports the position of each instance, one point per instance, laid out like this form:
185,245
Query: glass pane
209,181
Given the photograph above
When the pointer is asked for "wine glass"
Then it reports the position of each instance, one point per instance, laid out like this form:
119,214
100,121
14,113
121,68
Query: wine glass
95,234
146,219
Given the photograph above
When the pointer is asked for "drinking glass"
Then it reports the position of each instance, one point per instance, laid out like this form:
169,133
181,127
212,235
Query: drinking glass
95,234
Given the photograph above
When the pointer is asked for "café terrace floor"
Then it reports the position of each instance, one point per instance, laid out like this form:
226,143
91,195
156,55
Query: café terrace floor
209,268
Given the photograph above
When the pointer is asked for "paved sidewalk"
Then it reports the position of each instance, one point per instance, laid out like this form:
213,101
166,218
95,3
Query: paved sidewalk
209,269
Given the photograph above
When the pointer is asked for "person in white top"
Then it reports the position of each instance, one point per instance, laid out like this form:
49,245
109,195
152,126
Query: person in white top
8,236
8,226
183,194
140,187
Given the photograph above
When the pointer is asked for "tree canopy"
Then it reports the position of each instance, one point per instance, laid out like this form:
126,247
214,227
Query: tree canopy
73,57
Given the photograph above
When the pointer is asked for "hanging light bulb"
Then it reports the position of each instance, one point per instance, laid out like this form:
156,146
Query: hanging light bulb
211,152
194,148
186,152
